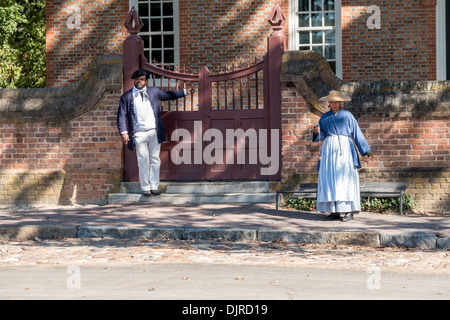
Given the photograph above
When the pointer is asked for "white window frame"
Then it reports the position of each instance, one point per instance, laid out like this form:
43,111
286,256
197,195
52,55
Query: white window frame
441,45
294,31
176,28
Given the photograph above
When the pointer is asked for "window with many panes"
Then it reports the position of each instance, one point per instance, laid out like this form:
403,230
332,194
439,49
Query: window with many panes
315,28
160,30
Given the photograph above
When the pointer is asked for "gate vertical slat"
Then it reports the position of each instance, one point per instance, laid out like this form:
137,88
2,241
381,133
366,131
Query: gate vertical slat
240,92
226,95
218,95
256,90
233,93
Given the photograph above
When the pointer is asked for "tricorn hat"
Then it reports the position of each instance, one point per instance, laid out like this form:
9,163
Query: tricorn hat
140,73
335,96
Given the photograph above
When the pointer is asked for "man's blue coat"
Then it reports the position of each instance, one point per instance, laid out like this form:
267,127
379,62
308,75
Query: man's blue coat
126,118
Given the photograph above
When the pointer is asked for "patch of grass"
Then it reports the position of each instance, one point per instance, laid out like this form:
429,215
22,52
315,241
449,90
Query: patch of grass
380,205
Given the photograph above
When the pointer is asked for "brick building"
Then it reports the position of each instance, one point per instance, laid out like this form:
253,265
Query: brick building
363,40
60,144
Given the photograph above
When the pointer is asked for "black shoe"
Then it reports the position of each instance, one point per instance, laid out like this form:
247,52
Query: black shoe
155,192
333,216
147,193
347,217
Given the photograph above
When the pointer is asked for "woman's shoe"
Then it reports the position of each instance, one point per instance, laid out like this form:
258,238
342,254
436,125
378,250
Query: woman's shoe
347,217
333,216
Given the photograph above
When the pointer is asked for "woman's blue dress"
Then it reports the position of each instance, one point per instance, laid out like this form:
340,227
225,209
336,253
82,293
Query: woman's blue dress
338,187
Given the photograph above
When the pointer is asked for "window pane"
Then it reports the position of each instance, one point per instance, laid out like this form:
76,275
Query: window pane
303,5
330,52
155,25
146,41
330,36
317,36
318,49
157,55
303,20
156,41
316,20
145,27
143,9
169,56
168,24
304,37
304,48
329,5
155,10
329,19
316,5
169,41
168,9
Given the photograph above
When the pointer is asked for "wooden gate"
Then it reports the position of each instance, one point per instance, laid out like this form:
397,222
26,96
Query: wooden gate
228,125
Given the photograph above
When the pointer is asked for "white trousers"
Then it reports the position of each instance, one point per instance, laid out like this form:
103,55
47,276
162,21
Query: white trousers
147,151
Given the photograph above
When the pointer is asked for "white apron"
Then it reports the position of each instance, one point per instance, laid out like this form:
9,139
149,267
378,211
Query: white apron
338,188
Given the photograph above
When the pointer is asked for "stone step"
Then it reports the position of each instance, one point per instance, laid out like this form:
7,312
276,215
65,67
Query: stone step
206,187
201,192
195,198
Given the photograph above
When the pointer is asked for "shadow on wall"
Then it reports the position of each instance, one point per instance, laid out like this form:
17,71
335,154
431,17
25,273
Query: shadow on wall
32,187
58,143
87,30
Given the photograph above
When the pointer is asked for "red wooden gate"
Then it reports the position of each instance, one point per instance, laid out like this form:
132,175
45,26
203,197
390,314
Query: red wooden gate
228,125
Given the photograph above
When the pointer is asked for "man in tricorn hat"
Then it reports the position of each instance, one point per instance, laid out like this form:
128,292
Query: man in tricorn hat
140,124
338,187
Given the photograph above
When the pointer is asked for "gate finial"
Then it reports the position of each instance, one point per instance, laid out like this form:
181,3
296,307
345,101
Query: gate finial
277,20
133,23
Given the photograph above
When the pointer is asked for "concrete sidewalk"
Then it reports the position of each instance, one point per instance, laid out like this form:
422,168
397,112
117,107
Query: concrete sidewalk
238,222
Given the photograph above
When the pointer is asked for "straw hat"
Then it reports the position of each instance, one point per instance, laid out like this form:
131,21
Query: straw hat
335,96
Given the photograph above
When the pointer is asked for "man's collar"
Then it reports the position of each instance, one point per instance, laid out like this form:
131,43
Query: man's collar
144,89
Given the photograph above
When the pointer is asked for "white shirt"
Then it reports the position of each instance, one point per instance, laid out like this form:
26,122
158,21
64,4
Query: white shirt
145,117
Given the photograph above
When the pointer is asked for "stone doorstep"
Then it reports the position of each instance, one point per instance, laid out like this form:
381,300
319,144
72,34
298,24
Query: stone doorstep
214,187
363,238
194,198
201,192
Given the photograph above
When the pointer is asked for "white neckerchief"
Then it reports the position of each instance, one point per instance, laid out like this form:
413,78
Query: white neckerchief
145,119
137,91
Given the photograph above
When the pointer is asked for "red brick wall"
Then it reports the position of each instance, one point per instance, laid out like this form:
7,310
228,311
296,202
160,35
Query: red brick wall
76,162
224,32
403,49
72,158
70,50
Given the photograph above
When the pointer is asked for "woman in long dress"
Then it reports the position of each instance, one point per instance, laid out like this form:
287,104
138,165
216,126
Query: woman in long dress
338,187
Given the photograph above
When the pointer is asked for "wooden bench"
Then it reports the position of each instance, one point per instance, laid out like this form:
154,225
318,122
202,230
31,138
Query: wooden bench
367,189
